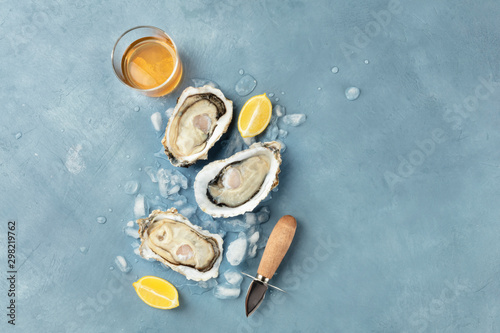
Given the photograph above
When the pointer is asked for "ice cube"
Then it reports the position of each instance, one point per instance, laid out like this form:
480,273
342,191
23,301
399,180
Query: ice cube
168,112
282,133
163,182
131,232
233,277
151,173
271,133
234,225
208,284
207,222
140,206
122,264
202,82
283,146
249,141
294,119
130,224
156,121
279,110
157,203
174,190
264,214
252,251
188,211
245,85
236,250
251,218
180,201
177,178
183,181
226,291
254,237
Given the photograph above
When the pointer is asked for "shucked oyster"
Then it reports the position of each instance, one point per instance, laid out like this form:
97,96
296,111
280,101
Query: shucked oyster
171,239
199,119
236,185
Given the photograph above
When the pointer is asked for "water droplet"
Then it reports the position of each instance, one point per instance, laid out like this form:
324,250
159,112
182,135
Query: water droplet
128,156
131,187
140,169
282,92
241,71
136,109
84,249
352,93
335,70
277,99
111,268
19,135
110,210
271,94
367,61
319,88
62,130
101,219
23,104
245,85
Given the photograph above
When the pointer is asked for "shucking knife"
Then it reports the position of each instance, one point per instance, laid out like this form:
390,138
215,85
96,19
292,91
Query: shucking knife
276,248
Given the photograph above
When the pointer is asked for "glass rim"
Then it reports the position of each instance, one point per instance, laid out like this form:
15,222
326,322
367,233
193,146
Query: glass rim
176,58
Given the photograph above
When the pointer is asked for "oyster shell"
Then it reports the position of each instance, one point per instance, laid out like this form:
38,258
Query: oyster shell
199,119
237,184
173,240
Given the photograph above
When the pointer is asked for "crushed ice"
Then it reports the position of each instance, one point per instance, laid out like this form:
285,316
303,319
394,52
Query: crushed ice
294,119
245,85
171,186
122,264
236,251
156,121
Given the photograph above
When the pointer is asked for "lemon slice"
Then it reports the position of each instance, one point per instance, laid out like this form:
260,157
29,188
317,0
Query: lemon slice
255,116
157,292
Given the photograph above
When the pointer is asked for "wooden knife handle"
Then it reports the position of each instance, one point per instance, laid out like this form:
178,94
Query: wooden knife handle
277,246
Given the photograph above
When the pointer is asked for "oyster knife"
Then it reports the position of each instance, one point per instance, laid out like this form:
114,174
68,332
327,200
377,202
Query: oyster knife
279,241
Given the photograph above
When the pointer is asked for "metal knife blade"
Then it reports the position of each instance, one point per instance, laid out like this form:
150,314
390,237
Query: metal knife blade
255,296
279,241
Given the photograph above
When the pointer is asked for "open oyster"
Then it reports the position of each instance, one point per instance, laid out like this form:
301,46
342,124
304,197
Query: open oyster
199,119
171,239
237,184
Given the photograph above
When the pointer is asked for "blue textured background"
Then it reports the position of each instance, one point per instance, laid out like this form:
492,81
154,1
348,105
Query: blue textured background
382,245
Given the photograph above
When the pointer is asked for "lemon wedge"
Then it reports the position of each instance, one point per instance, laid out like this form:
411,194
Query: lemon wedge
255,116
157,292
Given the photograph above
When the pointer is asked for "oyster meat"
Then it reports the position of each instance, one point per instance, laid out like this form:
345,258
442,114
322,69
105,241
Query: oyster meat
172,239
199,119
237,184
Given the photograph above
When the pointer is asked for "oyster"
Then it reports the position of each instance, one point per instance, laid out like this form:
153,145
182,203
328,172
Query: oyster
171,239
237,184
199,119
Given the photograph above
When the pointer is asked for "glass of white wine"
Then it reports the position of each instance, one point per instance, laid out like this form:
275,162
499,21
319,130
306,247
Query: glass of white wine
145,58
